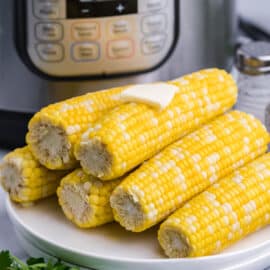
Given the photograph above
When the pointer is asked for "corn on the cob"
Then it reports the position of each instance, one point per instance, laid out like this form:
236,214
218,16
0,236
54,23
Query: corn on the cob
55,129
85,200
227,212
25,179
133,132
186,168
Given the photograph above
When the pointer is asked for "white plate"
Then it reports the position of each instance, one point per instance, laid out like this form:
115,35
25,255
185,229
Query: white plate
43,227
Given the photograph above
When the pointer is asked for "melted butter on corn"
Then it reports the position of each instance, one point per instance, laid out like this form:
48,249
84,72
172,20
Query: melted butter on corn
134,132
158,95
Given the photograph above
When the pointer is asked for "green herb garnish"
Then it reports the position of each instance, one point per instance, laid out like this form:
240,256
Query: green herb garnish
10,262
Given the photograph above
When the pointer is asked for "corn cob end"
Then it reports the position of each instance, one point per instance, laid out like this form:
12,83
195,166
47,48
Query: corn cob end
26,181
11,177
127,210
85,200
50,145
173,243
94,157
74,203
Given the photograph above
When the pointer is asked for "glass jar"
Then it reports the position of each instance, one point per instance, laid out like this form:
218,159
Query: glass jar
252,73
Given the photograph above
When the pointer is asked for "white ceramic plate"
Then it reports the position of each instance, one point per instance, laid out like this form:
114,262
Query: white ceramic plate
43,228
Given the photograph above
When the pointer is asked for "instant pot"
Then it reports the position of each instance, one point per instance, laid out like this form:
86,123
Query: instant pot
51,50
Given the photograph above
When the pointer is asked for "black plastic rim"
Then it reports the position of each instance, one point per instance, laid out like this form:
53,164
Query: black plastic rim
13,128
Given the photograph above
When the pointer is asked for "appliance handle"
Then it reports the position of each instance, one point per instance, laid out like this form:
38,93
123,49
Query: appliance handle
253,31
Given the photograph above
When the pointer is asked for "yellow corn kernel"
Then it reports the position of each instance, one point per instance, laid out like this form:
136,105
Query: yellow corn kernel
133,132
25,179
231,209
85,200
186,168
55,129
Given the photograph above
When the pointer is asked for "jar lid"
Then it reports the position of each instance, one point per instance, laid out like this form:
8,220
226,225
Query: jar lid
253,58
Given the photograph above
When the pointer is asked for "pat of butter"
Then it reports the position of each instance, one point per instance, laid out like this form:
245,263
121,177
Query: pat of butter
158,95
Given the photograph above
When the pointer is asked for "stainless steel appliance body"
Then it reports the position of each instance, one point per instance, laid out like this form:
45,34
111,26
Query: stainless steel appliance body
54,49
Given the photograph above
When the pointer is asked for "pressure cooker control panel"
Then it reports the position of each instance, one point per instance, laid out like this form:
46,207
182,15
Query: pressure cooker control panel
70,38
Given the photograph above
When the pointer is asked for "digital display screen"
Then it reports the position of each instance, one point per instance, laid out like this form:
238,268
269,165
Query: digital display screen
100,8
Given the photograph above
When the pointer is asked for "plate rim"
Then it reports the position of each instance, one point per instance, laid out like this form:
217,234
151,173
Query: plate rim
12,214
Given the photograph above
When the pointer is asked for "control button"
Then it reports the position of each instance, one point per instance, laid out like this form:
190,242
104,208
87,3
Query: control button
86,51
50,52
120,8
151,5
153,44
49,31
46,10
154,24
85,31
120,27
118,49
